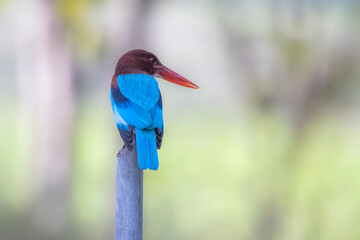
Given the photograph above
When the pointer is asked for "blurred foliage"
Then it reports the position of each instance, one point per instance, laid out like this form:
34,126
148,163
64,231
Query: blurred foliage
295,52
267,148
76,17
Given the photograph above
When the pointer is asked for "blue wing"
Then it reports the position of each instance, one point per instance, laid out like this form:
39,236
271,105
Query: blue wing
137,103
141,89
141,110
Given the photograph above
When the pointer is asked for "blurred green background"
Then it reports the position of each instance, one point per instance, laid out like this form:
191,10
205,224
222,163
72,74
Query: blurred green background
267,148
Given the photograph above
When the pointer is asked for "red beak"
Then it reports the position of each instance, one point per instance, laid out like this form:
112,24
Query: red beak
171,76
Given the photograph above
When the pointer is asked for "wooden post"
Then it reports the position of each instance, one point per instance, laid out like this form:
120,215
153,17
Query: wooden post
129,196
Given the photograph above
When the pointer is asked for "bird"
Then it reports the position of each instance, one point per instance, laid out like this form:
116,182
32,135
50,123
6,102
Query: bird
137,104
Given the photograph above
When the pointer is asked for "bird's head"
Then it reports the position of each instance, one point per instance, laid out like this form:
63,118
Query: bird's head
140,61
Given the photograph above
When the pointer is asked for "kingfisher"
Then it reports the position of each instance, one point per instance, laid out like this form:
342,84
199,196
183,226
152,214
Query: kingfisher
137,104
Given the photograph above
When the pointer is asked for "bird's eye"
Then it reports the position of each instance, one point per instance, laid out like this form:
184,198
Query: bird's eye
152,60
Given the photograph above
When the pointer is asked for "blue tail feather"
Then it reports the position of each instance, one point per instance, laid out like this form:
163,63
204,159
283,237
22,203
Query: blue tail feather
146,149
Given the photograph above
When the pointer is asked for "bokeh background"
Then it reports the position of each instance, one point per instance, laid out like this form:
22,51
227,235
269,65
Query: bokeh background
267,148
